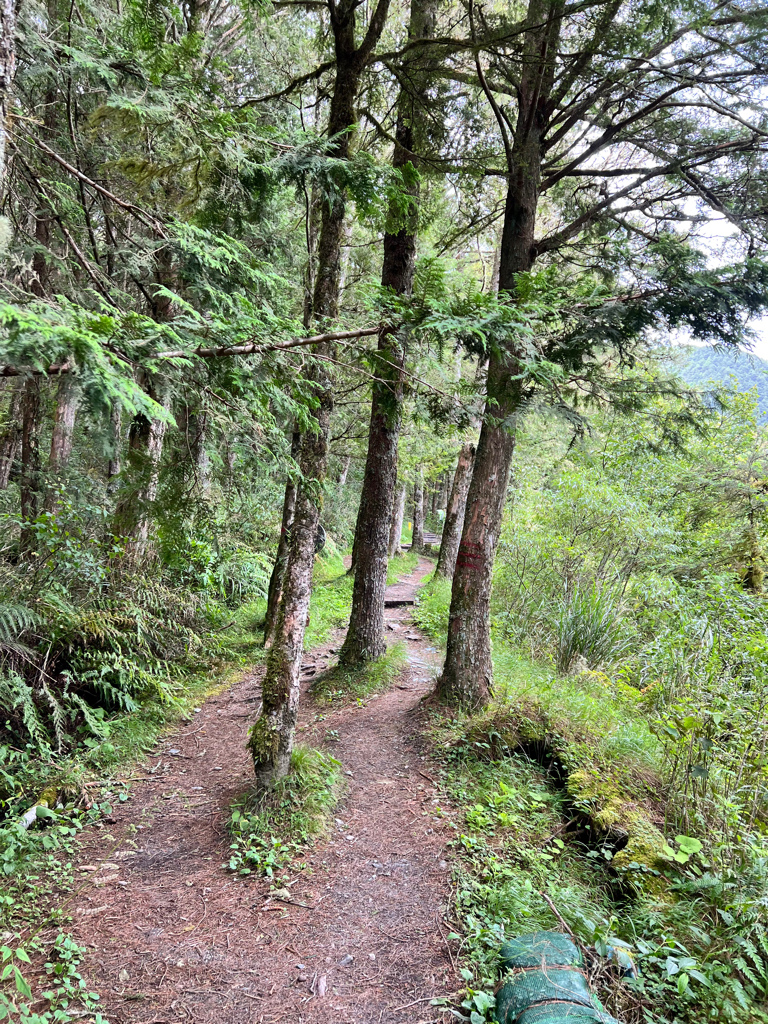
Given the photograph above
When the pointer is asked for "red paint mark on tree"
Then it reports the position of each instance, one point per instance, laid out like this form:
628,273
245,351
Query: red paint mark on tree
470,555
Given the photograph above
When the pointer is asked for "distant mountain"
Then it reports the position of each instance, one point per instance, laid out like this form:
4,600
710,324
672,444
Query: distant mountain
701,365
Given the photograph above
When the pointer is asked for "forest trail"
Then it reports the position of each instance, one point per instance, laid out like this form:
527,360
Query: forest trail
173,937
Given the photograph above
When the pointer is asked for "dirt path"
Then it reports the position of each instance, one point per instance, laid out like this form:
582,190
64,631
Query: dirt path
173,937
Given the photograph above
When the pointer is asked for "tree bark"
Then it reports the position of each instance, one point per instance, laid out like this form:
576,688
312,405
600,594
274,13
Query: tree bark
272,735
145,449
396,526
193,423
454,513
365,636
417,538
342,477
113,464
62,438
7,68
11,437
468,672
30,480
275,592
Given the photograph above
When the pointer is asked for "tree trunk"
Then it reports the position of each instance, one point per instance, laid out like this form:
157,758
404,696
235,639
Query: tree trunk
62,438
342,478
417,542
194,426
7,68
11,437
365,636
145,448
275,592
30,462
271,739
113,464
396,526
435,494
454,513
272,735
468,673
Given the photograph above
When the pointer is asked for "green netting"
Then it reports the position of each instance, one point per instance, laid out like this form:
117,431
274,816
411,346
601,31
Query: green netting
557,1013
552,948
546,985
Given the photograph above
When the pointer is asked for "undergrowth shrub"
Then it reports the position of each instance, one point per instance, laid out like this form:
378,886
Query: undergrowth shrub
588,625
269,832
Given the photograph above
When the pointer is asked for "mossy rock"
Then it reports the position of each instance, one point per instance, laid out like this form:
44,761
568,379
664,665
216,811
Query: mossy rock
611,811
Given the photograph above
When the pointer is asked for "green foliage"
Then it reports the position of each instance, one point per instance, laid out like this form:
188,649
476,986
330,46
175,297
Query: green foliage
66,996
331,599
431,613
587,626
268,834
340,683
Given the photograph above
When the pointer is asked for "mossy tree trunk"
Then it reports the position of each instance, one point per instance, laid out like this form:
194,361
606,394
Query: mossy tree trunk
11,436
468,672
417,538
272,735
115,440
275,592
145,449
396,525
454,513
62,437
30,481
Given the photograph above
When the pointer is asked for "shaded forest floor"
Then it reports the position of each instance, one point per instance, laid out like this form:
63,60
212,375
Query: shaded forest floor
171,936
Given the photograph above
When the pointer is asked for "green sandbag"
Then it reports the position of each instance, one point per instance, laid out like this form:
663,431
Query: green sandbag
551,948
526,989
559,1013
546,985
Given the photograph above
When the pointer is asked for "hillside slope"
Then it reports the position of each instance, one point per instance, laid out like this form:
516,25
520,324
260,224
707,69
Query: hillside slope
705,364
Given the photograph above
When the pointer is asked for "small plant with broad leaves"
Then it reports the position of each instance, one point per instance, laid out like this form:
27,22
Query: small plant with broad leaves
268,833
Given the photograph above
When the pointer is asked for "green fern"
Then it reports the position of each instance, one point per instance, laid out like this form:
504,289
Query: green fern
753,964
15,621
17,696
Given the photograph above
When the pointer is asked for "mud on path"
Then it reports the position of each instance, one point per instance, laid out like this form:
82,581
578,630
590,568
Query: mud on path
173,937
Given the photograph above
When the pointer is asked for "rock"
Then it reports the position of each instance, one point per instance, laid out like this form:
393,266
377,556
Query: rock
346,960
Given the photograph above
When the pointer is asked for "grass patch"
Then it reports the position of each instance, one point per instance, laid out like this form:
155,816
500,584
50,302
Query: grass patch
331,599
269,833
401,566
340,683
431,613
593,726
600,745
